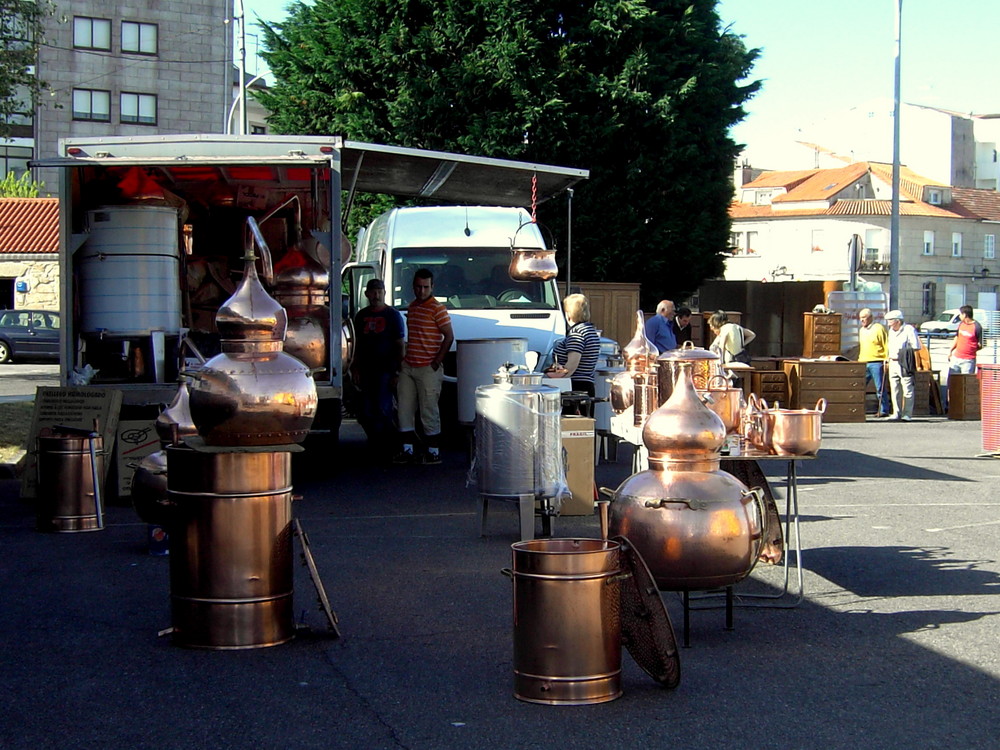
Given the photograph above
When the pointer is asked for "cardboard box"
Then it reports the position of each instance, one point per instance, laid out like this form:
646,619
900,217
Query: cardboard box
578,442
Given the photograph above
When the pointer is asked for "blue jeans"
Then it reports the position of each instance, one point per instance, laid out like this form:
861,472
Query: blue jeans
876,371
376,407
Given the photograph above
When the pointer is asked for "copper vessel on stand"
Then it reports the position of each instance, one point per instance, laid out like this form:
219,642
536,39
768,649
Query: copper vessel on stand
696,526
725,400
253,393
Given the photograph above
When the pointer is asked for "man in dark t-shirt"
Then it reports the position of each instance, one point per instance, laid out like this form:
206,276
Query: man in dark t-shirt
378,352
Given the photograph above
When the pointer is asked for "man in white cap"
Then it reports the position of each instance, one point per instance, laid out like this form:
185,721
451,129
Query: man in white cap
903,343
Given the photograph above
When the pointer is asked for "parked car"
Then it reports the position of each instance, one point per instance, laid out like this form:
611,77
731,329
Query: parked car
947,322
29,334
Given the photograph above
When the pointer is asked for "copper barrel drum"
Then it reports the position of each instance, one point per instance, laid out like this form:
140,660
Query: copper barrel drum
230,547
567,626
69,466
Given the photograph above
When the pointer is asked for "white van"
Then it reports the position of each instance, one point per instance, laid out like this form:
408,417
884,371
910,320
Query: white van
468,249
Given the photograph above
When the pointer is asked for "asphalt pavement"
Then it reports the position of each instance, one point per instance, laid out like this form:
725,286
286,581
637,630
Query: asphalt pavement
893,646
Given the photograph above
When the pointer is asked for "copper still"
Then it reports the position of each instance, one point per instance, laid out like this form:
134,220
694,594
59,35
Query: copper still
705,366
637,386
300,285
149,481
696,526
253,393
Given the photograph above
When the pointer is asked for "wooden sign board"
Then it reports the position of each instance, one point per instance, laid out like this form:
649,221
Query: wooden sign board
75,406
136,440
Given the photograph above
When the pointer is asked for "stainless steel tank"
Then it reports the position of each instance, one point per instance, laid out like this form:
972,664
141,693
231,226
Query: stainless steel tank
230,547
518,440
128,271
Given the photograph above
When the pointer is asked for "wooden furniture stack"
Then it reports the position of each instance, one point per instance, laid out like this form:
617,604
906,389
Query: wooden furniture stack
963,397
821,334
842,384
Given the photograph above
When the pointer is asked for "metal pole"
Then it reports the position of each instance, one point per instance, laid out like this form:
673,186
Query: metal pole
569,236
894,300
242,95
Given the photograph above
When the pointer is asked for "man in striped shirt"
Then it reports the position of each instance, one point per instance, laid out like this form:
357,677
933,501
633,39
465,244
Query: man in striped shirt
429,337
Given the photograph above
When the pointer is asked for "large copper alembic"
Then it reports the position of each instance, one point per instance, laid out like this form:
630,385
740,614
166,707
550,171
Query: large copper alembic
697,527
253,392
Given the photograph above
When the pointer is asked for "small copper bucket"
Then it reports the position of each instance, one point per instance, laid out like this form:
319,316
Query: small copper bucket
70,473
567,626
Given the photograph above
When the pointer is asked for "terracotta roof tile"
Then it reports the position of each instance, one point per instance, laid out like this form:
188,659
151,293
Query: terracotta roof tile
29,225
979,203
824,183
844,208
787,180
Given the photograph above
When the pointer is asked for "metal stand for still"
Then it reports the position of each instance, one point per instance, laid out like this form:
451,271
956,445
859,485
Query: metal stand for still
310,563
526,513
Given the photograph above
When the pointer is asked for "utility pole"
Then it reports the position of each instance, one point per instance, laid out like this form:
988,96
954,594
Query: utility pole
241,19
894,300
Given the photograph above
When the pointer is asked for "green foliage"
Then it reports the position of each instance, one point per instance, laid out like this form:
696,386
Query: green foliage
641,92
20,187
21,32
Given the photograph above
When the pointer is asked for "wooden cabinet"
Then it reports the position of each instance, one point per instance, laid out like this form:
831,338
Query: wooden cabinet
842,384
770,385
612,308
963,397
821,334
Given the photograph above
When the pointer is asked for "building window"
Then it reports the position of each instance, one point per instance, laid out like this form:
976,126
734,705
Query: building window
92,104
990,247
934,197
91,33
928,242
956,244
139,38
258,130
817,240
139,108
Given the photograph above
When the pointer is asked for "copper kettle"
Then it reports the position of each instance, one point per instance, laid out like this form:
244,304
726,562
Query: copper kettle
531,263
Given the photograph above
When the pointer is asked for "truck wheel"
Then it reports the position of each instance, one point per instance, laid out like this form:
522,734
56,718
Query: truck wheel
4,353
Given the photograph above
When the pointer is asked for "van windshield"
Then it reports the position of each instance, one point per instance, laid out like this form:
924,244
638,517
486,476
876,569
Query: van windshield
469,278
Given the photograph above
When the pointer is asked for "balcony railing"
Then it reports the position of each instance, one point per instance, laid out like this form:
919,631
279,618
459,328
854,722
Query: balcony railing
874,266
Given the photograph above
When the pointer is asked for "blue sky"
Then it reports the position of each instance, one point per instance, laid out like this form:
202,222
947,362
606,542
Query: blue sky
819,58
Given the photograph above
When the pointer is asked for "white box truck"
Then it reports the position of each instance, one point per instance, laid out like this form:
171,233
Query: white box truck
153,230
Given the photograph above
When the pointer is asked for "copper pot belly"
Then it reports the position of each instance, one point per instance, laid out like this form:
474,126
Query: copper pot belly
797,432
695,529
725,401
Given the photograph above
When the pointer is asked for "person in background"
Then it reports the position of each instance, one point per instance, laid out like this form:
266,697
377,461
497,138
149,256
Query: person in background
660,327
682,326
874,340
378,355
429,337
968,341
576,355
903,342
730,339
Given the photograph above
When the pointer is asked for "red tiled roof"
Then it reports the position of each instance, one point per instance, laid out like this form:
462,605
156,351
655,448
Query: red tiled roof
910,183
787,180
824,183
852,207
982,204
29,225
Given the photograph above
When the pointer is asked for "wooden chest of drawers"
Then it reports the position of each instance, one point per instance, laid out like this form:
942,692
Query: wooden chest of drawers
842,384
963,397
821,334
770,385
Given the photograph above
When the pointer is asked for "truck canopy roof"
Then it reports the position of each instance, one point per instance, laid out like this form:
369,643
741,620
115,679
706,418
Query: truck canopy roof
373,168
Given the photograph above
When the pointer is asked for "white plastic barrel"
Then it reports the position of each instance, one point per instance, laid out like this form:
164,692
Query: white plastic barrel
129,271
477,361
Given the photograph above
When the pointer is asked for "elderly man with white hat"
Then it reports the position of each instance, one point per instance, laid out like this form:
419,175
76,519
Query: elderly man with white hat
903,343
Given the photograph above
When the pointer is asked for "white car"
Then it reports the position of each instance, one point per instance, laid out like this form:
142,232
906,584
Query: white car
947,322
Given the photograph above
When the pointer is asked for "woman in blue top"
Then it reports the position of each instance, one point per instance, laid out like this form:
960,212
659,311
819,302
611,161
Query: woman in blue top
576,355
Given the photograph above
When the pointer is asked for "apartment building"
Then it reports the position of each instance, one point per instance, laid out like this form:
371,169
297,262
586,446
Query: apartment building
799,225
130,68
